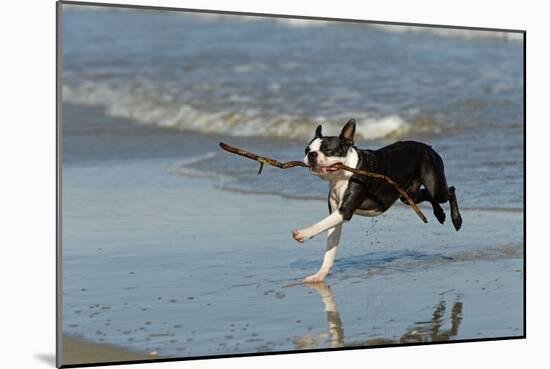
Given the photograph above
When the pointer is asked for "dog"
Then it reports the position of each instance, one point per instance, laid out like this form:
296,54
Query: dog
415,166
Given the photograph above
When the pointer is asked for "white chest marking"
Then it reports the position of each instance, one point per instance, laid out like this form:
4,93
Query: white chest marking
337,191
340,180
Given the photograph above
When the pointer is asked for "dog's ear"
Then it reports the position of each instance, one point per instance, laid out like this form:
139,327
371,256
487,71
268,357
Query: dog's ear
318,131
348,132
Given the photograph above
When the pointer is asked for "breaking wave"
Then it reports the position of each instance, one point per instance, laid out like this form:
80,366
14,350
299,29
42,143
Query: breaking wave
468,34
148,107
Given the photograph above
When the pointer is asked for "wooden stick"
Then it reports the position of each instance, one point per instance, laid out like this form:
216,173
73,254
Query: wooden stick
289,164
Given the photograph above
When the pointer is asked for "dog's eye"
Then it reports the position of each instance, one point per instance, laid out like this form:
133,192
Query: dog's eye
307,150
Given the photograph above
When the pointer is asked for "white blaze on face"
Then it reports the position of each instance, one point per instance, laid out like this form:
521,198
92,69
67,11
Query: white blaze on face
315,146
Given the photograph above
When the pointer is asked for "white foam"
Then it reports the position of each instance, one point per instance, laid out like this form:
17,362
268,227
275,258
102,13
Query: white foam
192,172
468,34
145,105
379,128
302,23
184,168
195,159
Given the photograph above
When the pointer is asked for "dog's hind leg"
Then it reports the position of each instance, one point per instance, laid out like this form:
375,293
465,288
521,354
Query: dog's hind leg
419,195
438,212
435,182
455,213
328,261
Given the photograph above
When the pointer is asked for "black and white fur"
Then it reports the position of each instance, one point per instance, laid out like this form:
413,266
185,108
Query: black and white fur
416,167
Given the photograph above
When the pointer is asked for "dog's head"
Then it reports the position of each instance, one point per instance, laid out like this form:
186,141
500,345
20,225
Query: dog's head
323,152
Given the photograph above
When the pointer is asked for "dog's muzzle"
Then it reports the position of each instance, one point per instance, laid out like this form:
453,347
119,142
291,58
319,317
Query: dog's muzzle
312,158
317,168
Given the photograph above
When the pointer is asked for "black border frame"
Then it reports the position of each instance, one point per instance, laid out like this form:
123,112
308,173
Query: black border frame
59,158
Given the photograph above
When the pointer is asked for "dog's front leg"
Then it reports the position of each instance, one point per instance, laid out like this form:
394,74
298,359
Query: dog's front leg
334,219
330,253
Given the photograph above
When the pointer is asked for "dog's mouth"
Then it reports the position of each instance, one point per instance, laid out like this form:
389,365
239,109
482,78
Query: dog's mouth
321,169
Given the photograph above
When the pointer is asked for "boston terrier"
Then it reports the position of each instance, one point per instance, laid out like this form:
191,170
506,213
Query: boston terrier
415,166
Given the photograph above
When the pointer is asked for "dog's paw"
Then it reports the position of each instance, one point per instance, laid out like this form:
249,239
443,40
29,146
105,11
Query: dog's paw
315,278
299,235
440,215
457,221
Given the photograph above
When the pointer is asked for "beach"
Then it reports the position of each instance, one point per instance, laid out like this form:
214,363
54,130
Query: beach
154,262
77,351
171,247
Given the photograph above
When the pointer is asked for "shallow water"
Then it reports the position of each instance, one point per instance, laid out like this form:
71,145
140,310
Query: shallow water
176,266
165,274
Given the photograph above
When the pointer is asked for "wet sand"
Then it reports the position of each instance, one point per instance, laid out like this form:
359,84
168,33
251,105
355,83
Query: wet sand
78,351
177,266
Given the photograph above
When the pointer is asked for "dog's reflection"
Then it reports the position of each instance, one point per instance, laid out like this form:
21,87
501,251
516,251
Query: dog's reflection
335,326
426,331
431,331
